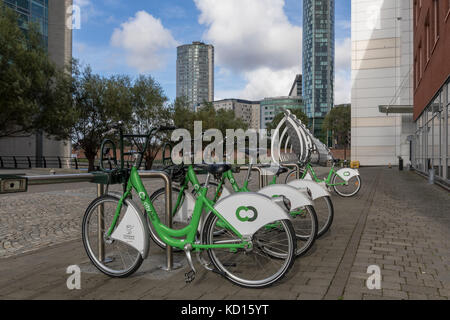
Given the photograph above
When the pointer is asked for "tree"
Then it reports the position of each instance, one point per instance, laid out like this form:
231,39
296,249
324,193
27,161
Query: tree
338,122
211,118
100,103
150,110
276,120
35,94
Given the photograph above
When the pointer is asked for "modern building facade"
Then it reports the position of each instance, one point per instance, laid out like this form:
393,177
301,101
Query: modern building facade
318,60
270,107
430,142
248,111
296,89
195,73
51,16
382,79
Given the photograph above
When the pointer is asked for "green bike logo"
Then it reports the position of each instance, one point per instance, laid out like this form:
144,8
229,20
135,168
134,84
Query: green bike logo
246,214
346,173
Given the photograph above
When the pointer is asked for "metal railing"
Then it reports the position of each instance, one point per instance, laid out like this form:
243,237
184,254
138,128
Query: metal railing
263,179
93,177
53,162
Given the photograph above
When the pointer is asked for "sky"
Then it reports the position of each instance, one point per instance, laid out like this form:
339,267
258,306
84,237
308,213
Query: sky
257,42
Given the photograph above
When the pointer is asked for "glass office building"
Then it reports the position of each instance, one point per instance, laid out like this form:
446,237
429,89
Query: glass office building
318,60
431,142
51,16
195,73
35,11
270,107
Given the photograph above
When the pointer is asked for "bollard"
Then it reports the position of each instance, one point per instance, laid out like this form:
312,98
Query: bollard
168,198
101,224
431,176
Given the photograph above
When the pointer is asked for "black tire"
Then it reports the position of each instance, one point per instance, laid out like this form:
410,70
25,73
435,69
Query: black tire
292,175
109,250
305,231
288,256
324,223
346,193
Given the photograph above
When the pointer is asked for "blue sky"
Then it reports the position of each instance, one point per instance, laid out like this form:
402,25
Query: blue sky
257,42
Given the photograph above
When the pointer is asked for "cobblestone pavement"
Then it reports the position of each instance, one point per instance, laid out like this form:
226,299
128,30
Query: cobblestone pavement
397,222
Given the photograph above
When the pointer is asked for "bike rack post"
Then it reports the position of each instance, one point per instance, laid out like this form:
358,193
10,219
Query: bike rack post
262,179
294,166
101,224
89,177
168,208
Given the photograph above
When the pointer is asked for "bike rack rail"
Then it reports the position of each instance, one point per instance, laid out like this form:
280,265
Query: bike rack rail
262,179
94,178
294,166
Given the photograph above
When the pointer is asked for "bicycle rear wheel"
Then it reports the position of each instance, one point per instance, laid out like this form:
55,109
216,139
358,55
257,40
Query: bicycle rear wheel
268,260
118,258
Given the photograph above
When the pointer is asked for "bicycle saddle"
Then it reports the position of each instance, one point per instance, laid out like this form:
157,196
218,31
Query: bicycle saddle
281,170
250,151
215,169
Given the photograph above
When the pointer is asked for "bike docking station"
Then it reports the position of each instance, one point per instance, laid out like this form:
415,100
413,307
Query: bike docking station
276,223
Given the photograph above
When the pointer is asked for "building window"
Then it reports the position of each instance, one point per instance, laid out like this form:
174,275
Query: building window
427,39
420,61
435,20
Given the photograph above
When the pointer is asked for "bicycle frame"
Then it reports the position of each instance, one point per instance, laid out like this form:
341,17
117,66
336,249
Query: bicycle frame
169,235
327,180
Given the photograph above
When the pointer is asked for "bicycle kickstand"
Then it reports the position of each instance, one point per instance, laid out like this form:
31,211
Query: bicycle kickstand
189,276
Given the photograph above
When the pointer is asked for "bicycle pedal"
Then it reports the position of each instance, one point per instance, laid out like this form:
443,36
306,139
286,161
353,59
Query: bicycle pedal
218,272
189,276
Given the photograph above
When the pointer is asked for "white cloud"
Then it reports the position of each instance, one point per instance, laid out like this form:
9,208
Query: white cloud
264,82
343,54
144,40
342,87
255,39
342,83
250,34
82,3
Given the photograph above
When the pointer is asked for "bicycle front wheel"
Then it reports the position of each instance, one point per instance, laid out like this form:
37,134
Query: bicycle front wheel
112,257
158,198
346,189
267,261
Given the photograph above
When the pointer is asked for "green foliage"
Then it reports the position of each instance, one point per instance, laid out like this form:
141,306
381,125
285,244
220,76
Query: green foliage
184,117
35,94
297,112
338,122
100,103
150,110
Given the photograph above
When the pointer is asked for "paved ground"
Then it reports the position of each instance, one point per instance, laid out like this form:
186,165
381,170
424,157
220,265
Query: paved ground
397,222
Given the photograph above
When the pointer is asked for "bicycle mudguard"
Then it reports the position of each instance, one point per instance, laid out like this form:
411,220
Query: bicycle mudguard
184,213
248,212
316,189
133,228
347,173
297,197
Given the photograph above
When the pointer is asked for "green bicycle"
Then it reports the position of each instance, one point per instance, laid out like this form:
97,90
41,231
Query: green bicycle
240,246
304,219
346,182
